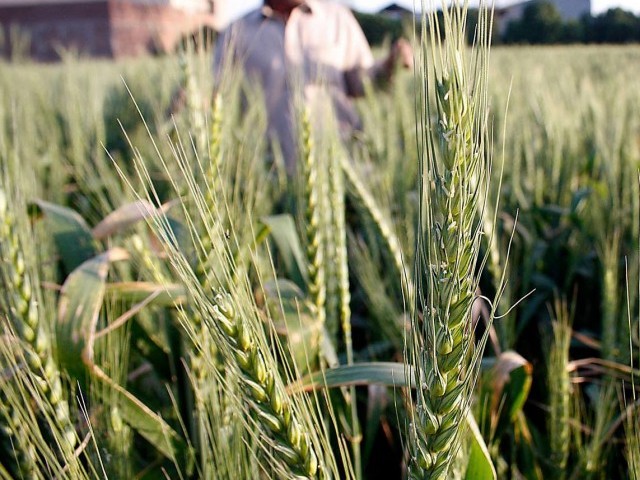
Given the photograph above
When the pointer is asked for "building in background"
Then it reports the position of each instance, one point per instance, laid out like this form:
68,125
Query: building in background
42,29
396,12
568,9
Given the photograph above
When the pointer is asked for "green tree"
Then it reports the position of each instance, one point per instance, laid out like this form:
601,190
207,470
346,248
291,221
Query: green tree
540,23
472,25
378,28
574,31
615,26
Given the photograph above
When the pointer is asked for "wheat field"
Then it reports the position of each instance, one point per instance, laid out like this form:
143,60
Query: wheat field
454,293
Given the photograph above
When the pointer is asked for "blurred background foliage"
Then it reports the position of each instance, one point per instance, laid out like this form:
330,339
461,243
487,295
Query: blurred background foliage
541,23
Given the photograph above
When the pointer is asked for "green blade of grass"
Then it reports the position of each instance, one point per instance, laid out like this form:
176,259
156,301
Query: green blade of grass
71,234
479,465
79,310
381,373
391,374
283,231
169,294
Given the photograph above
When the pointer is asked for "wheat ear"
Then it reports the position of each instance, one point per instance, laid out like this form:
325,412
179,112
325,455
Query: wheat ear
265,388
20,305
313,189
559,383
442,340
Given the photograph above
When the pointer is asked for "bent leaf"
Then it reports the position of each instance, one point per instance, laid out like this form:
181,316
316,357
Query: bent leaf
79,309
137,415
168,294
283,231
71,234
382,373
479,466
78,313
512,380
504,390
126,216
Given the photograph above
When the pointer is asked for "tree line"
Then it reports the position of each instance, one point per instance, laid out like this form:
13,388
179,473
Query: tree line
541,23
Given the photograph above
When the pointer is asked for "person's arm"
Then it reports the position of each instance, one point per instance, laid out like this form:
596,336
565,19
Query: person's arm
399,53
360,63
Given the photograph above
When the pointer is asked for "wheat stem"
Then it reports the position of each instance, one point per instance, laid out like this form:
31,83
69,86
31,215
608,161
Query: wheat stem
343,293
369,208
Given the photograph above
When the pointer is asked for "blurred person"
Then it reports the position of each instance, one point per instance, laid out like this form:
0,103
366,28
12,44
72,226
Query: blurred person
313,46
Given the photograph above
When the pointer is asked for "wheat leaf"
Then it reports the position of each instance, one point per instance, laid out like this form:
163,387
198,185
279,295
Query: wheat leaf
382,373
141,418
283,232
126,216
71,234
79,308
168,294
480,465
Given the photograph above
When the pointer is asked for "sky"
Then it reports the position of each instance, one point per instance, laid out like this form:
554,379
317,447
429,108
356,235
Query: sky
239,7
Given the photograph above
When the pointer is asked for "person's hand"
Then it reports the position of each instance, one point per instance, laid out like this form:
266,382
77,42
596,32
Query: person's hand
402,52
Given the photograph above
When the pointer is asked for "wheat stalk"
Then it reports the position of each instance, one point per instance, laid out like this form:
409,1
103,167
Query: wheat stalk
442,340
369,208
342,292
559,390
632,451
286,430
315,246
20,305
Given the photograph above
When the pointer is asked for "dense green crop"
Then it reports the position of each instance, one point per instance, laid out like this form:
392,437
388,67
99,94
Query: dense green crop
174,305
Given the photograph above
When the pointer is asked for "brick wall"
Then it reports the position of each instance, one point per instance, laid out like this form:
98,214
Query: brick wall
138,28
82,26
105,28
